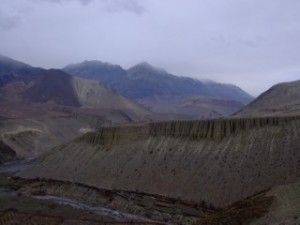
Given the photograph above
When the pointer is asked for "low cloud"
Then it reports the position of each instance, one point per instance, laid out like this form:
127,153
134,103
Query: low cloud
84,2
125,5
251,43
133,6
8,22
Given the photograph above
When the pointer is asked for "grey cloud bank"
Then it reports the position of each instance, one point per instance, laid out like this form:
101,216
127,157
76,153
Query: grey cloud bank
8,22
110,5
251,43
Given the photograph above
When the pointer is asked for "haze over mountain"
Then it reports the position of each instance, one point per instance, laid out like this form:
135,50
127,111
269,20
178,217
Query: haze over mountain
32,85
11,69
145,80
167,132
43,108
163,92
281,99
171,97
253,44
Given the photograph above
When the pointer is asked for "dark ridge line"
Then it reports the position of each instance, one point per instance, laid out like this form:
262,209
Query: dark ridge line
202,205
109,191
215,129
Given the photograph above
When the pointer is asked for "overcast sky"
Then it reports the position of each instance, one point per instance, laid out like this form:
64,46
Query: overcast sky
251,43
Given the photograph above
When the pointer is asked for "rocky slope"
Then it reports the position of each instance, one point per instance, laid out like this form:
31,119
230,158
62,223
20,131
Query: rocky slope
281,99
93,94
27,138
217,162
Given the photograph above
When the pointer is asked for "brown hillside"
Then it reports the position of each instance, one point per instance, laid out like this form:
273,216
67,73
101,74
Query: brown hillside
215,161
53,86
281,99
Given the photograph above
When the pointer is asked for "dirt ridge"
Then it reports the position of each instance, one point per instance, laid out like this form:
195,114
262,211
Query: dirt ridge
215,129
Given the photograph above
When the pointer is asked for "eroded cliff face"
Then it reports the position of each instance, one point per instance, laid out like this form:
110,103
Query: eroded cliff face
215,129
212,129
217,162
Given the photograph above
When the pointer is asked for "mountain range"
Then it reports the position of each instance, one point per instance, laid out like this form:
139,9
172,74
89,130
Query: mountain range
56,89
164,93
167,96
144,81
108,142
40,108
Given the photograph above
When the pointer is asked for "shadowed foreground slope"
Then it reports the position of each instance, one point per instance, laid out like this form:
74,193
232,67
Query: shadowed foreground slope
217,162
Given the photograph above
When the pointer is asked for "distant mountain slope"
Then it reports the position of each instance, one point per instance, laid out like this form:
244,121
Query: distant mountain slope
165,93
25,85
191,107
281,99
145,81
112,75
10,69
157,82
53,86
91,93
40,109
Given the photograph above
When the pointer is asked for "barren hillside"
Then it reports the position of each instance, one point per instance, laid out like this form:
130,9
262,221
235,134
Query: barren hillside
281,99
217,162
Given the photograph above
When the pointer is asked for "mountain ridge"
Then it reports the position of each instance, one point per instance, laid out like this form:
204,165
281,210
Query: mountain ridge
11,69
143,70
155,88
280,99
40,108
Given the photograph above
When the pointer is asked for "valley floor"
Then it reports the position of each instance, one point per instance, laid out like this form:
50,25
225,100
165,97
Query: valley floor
35,201
47,202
